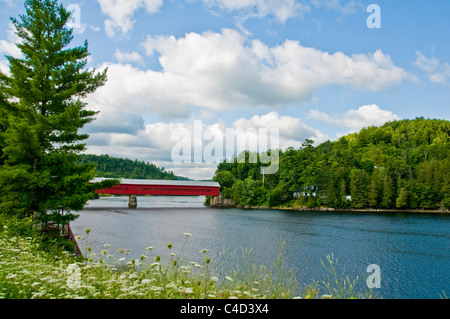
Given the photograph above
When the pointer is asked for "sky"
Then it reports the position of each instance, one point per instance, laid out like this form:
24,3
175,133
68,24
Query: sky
182,73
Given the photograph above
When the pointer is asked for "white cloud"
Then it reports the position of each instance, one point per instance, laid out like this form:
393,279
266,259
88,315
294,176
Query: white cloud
364,116
132,57
117,121
292,131
280,9
120,13
437,71
141,92
4,67
155,142
94,28
9,46
349,7
221,70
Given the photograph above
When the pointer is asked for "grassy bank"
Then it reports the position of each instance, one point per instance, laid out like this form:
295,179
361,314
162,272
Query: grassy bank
29,270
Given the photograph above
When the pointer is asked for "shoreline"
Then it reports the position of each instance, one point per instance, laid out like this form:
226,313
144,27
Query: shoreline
367,210
330,209
353,210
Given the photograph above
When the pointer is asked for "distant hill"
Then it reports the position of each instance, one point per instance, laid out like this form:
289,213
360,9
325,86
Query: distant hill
400,165
113,167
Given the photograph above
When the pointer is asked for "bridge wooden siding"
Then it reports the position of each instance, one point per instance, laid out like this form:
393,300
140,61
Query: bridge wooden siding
134,187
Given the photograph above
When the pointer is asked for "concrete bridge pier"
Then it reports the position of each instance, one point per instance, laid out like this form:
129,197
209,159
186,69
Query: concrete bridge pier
132,201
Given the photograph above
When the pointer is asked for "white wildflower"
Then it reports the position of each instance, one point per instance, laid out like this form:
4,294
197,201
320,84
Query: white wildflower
74,279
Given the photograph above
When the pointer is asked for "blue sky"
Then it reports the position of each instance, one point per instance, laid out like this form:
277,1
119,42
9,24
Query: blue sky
309,68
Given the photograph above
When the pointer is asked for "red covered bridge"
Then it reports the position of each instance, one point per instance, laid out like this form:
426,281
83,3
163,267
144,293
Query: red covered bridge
133,187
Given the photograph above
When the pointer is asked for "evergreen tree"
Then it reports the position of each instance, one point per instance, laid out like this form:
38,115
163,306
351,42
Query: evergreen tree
42,111
388,191
358,188
342,195
373,193
402,199
332,192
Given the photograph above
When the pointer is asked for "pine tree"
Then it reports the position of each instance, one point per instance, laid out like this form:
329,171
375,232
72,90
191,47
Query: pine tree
359,188
342,194
388,190
402,199
42,112
373,193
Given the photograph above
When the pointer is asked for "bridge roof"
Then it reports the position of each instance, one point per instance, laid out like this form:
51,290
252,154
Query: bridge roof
160,182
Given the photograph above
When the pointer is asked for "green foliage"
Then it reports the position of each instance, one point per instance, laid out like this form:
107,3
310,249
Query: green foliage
402,164
42,112
402,199
112,167
46,239
341,286
225,179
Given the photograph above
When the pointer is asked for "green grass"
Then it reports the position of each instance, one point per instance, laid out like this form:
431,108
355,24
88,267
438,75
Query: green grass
28,270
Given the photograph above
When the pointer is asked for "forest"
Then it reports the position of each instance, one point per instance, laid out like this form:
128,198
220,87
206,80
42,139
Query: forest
113,167
400,165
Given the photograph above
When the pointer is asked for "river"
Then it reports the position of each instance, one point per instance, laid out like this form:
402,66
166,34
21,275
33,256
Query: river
411,250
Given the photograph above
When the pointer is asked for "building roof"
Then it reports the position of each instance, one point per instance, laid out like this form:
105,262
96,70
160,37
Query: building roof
160,182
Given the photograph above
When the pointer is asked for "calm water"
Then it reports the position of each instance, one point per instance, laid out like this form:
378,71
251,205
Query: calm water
412,250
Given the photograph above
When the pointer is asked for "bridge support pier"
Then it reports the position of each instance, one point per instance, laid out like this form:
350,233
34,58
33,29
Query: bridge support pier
132,201
220,201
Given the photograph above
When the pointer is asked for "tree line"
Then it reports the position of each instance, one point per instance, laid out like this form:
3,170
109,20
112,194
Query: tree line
113,167
400,165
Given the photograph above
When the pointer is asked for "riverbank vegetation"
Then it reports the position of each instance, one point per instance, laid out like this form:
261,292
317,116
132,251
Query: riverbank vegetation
400,165
30,268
